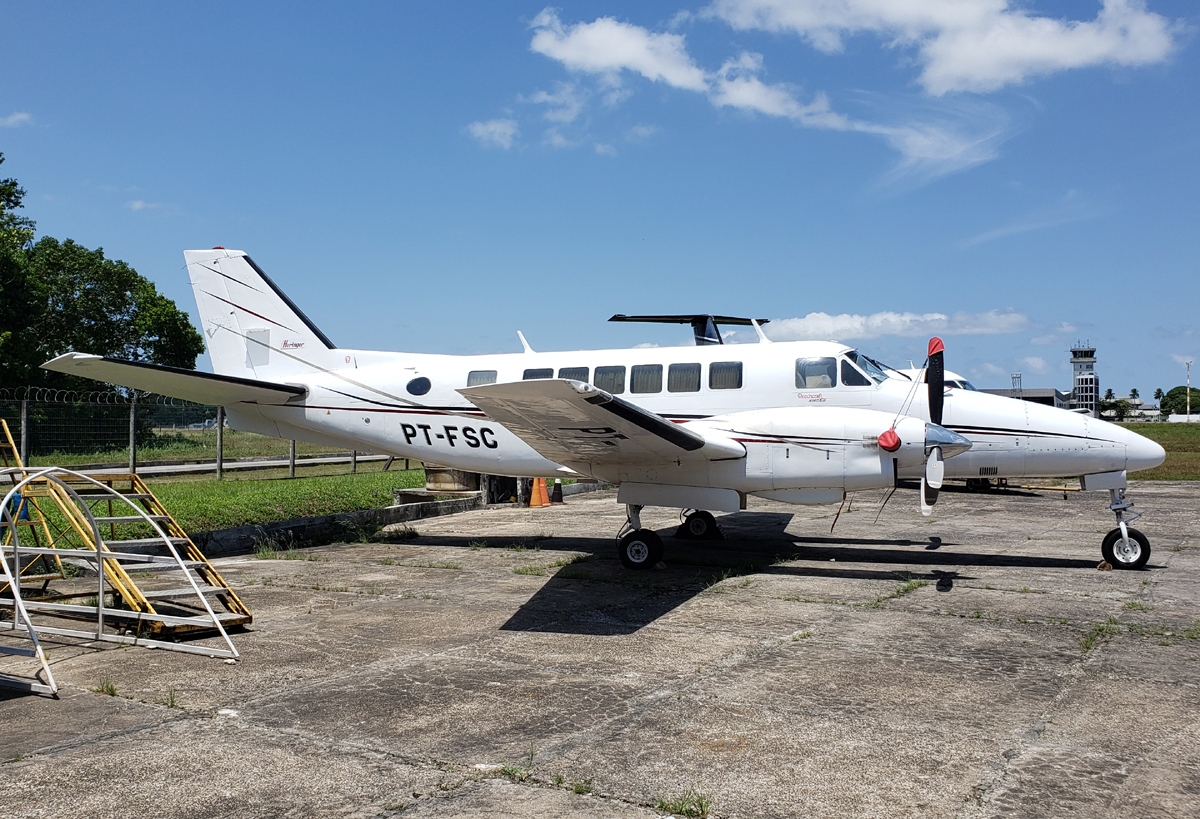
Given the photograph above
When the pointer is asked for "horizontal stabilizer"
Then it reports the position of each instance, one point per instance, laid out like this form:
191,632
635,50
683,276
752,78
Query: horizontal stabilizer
188,385
570,422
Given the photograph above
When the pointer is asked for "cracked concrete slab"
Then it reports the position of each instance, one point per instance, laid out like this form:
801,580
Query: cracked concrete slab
502,663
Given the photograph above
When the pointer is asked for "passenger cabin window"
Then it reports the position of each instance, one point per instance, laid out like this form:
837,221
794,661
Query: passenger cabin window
574,373
645,378
541,372
852,377
477,377
725,375
683,378
610,379
816,373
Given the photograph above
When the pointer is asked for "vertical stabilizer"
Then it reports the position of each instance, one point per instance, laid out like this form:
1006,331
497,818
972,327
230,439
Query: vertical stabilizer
251,327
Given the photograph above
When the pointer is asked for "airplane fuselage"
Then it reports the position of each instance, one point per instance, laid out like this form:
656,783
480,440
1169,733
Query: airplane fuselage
407,405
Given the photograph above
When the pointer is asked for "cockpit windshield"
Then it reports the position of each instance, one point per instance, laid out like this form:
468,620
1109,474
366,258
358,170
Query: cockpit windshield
872,368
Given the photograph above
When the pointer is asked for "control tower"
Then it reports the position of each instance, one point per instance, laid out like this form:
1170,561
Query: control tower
1085,392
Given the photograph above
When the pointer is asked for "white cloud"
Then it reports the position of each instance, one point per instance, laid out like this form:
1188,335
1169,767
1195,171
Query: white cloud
139,204
495,132
967,45
556,140
1063,328
605,150
887,323
15,120
1034,364
1072,208
563,105
639,132
992,369
607,46
1183,359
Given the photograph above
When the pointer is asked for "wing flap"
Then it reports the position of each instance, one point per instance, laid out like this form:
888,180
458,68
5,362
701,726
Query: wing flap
570,422
189,385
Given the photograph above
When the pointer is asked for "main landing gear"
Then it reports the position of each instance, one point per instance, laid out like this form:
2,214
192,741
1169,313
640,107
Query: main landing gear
638,548
1124,547
699,525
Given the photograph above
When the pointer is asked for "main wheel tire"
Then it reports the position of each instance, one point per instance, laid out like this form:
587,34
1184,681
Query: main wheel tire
640,549
1122,555
701,525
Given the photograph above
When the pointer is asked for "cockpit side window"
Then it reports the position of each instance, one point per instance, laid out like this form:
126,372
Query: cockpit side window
851,377
816,373
870,366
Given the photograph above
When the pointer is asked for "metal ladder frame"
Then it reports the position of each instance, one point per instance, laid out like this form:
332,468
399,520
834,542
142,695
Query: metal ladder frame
108,568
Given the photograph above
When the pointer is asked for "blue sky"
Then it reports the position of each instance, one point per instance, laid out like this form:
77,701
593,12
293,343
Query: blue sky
1010,175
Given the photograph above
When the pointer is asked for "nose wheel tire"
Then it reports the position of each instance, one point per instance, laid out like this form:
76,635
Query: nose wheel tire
1122,554
640,549
699,525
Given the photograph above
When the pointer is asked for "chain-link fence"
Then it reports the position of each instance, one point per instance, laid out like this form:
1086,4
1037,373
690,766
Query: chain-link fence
119,429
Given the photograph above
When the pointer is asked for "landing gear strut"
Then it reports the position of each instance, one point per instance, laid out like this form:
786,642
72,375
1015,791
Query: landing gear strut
638,548
1124,547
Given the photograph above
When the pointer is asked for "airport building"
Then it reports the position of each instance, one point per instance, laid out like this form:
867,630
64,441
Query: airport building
1085,389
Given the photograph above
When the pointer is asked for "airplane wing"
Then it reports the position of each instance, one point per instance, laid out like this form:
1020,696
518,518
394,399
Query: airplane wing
202,388
570,422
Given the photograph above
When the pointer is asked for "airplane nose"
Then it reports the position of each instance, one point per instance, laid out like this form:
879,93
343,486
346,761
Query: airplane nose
1142,453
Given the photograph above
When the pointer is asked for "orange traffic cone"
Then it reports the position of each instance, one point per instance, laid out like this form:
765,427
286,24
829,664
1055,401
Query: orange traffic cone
545,492
535,494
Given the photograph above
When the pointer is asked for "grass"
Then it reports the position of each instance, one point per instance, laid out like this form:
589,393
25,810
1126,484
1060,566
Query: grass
1099,633
542,570
191,445
201,506
106,687
1136,605
1182,443
901,590
691,803
583,787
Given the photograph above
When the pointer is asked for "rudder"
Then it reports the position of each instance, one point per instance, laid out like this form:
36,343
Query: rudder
251,327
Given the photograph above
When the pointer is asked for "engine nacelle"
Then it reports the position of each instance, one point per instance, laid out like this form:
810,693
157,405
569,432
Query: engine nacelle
821,448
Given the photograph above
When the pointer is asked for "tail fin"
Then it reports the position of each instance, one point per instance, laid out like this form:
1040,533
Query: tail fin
253,330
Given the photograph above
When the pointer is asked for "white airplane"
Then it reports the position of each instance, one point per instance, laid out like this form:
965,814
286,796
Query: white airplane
696,428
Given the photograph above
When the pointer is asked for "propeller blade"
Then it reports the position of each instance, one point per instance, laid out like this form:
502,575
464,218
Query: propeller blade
935,470
931,481
935,377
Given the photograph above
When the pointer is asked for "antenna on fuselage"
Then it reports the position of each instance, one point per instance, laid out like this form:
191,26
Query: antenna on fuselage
524,343
704,325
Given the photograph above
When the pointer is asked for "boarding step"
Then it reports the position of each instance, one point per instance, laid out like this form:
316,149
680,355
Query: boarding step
142,543
166,594
130,518
17,651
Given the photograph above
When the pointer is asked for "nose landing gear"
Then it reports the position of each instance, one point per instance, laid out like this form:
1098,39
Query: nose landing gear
1124,547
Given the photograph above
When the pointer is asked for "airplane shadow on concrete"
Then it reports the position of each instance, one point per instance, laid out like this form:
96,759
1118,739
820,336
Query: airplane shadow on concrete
600,597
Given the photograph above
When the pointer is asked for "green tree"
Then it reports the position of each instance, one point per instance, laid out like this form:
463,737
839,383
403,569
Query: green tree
59,296
1134,393
1108,394
1158,394
15,231
1175,401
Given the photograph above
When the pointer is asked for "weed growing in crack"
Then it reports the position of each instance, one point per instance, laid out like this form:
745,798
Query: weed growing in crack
692,803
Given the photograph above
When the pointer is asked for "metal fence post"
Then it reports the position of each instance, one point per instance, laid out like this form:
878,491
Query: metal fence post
25,431
133,432
292,458
354,462
220,443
